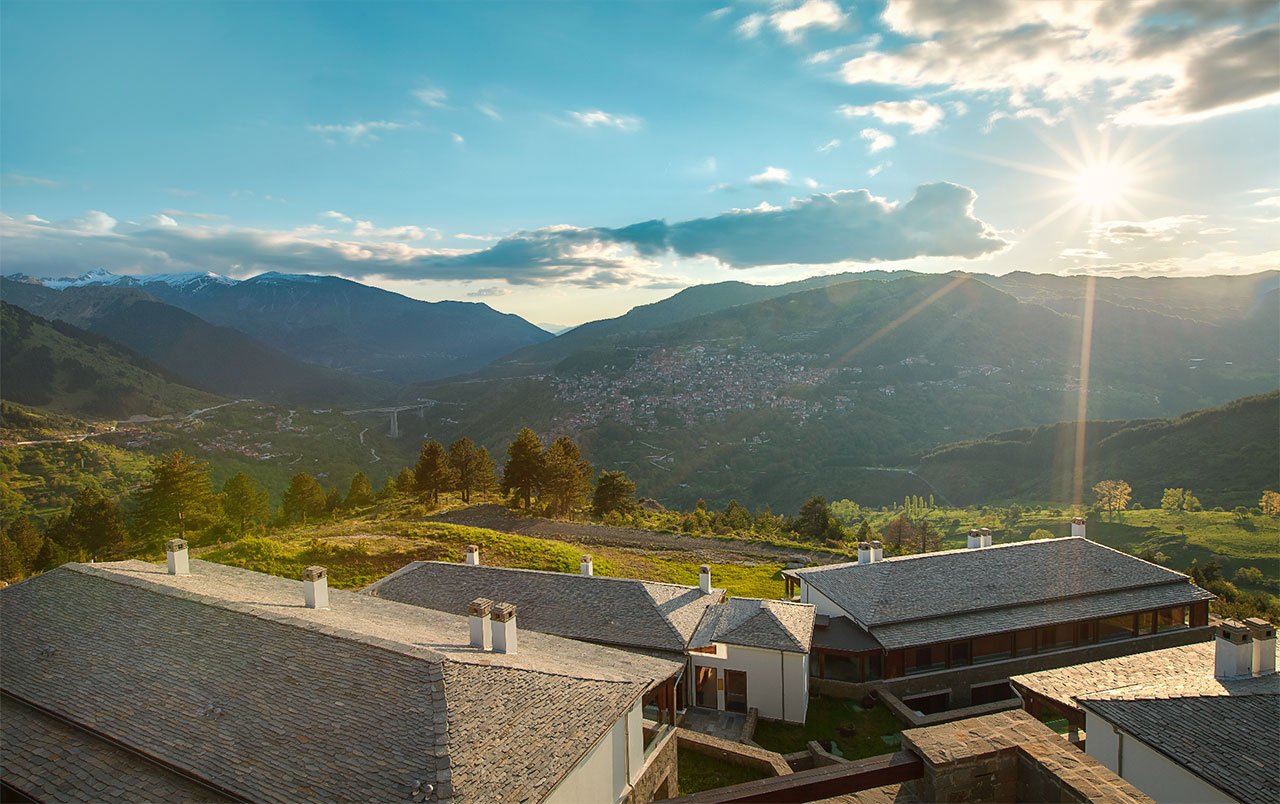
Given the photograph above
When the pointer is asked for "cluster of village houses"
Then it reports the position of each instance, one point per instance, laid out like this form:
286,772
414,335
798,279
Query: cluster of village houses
197,681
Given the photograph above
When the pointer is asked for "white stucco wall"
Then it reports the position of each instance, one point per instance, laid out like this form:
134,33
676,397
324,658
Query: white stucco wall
820,602
609,769
1145,768
777,681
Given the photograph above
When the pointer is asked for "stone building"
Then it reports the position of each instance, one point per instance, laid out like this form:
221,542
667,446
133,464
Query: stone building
121,681
946,630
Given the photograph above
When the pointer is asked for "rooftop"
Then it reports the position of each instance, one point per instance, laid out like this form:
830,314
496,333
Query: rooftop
749,621
616,611
956,594
225,677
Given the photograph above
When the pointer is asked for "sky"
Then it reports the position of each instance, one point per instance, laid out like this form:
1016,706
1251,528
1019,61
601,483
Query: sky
566,161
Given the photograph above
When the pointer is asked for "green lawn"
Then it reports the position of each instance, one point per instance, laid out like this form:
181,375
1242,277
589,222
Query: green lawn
699,772
826,717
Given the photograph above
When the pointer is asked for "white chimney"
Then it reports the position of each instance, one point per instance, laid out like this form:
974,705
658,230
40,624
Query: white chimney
586,567
478,617
1077,526
1263,660
473,555
864,552
986,536
1233,652
704,579
315,588
504,628
975,539
877,551
179,562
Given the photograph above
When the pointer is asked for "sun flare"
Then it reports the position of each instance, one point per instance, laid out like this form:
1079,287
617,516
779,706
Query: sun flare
1102,185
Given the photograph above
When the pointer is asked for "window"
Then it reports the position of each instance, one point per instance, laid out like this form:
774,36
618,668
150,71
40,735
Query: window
1112,628
1056,637
992,648
990,693
1146,623
959,654
875,670
844,668
1024,643
1175,617
1088,632
922,660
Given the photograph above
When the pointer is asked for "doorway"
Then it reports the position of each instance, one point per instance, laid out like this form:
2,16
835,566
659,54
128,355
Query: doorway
705,688
735,691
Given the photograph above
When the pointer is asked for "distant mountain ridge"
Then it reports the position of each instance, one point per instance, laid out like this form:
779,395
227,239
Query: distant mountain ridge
334,322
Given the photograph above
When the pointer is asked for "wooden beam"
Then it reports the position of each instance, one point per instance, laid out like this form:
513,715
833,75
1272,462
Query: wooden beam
820,783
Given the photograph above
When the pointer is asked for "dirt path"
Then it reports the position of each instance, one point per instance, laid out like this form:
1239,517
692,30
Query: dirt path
496,517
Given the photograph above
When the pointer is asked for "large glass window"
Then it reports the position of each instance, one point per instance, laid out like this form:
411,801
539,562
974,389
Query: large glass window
922,660
1146,623
1088,631
1115,628
992,648
959,654
875,671
1175,617
844,668
1055,637
1024,643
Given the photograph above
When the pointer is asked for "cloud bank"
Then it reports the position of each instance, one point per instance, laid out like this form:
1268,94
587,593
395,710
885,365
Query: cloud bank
823,228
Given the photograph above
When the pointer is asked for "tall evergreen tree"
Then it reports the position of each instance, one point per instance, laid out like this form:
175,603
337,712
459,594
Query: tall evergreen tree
816,522
244,502
406,482
566,476
178,498
361,491
26,538
304,498
94,525
614,493
472,468
432,472
520,474
12,567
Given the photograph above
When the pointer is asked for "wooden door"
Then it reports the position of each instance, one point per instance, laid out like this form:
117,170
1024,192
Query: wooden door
735,691
705,692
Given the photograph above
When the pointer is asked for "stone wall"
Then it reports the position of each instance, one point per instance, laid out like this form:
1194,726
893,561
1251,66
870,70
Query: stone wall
908,715
661,777
750,756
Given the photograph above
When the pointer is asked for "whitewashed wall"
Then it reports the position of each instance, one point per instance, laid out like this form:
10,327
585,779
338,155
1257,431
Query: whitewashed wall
1151,772
820,602
609,769
777,681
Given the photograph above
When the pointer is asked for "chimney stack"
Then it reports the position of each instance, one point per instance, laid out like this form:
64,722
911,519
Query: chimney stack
1077,526
504,628
704,579
975,539
315,588
877,551
986,536
1233,652
1263,661
864,552
586,567
176,551
473,555
478,617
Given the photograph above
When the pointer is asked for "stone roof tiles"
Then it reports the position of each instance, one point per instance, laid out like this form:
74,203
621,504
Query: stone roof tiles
615,611
757,623
227,677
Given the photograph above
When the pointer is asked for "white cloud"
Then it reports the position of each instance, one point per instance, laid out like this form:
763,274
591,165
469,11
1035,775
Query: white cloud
829,145
771,176
877,140
921,115
457,138
489,111
366,131
200,216
958,108
792,23
718,13
750,25
1272,201
408,234
431,96
490,292
811,183
1083,254
595,118
335,215
879,168
19,180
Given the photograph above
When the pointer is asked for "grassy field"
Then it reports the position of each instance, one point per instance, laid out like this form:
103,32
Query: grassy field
857,732
359,551
699,772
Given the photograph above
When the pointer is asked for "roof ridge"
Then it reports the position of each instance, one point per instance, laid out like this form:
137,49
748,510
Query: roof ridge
612,578
954,551
681,639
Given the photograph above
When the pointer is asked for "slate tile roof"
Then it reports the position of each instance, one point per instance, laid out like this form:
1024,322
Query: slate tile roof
226,676
1227,740
614,611
956,594
749,621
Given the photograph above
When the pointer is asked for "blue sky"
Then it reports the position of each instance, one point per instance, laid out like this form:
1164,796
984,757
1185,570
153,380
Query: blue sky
566,161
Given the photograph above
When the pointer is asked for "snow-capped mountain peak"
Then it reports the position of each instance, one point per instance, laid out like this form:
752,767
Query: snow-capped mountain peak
101,276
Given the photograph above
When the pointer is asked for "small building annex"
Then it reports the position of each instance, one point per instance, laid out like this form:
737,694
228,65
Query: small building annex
945,623
121,681
736,654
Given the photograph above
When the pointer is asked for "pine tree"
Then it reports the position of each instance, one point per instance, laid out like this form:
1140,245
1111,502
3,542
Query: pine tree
472,468
26,539
432,471
565,477
93,525
50,556
244,502
864,532
12,566
361,491
521,473
406,482
304,498
614,493
178,498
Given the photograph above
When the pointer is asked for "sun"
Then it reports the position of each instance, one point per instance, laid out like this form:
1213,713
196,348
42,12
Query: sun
1103,185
